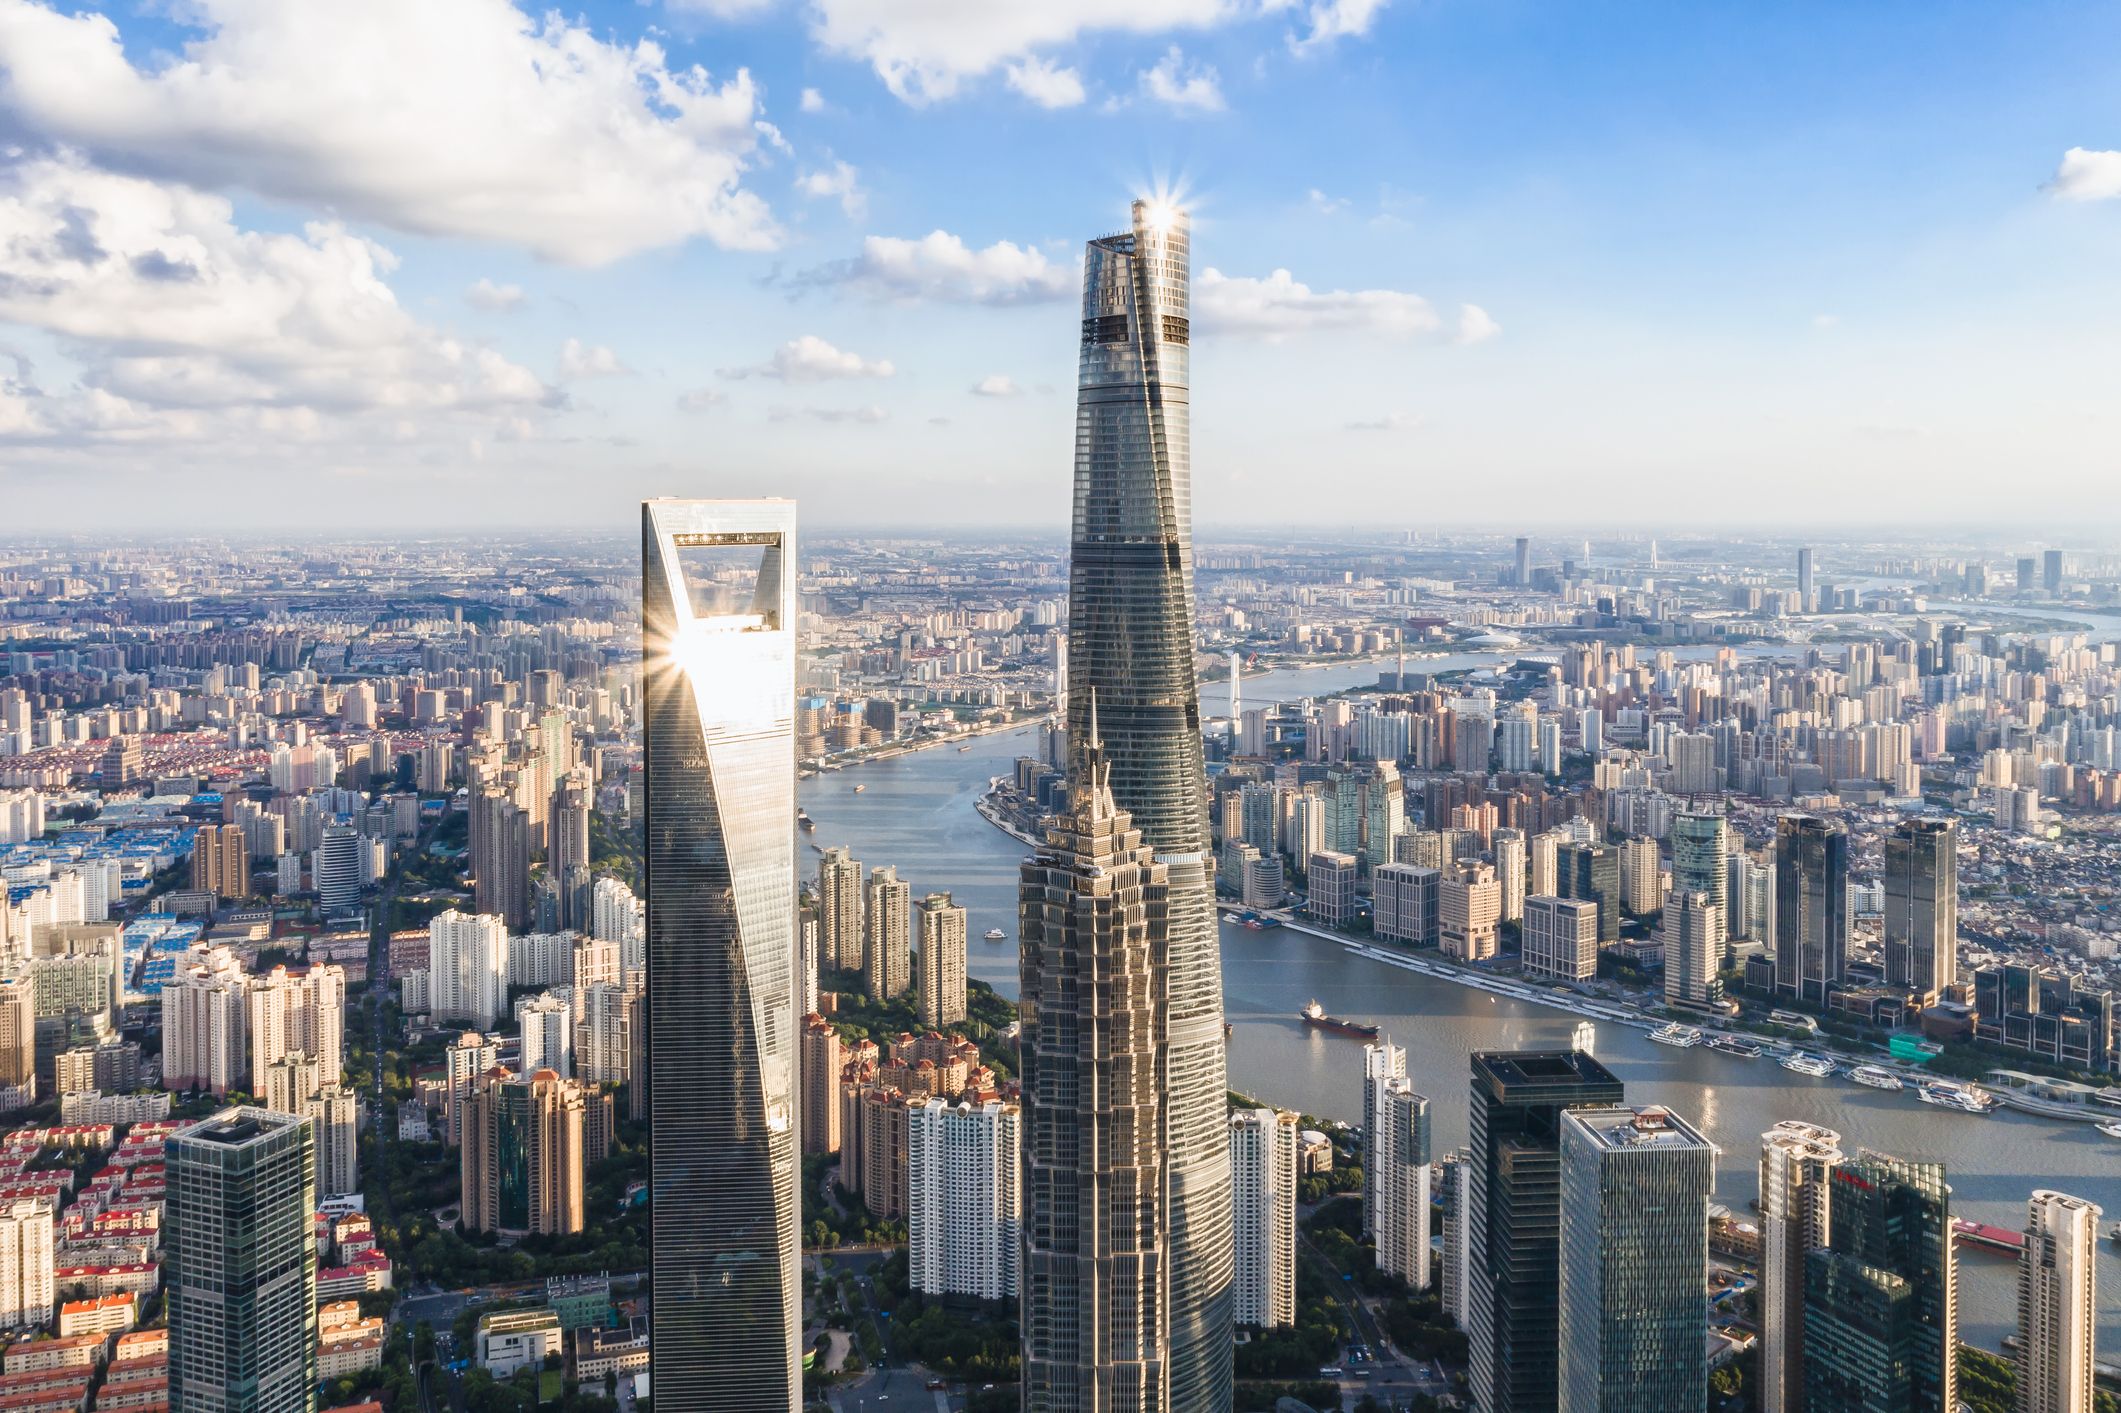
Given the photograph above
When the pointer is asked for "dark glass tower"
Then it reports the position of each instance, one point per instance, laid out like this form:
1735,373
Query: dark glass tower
1922,906
718,677
1811,907
1093,907
1514,1235
241,1260
1130,642
1881,1308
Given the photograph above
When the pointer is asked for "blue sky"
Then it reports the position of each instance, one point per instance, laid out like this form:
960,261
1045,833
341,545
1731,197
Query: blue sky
454,262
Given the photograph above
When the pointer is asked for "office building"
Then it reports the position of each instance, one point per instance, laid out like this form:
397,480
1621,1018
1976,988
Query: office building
1591,872
240,1264
467,968
887,921
1405,904
1263,1217
2051,572
1881,1309
1382,1062
964,1205
941,992
1400,1209
1634,1261
718,704
26,1288
336,870
1514,1231
1811,907
1805,588
1796,1159
2058,1304
820,1070
1641,876
1692,931
1330,879
1701,852
1922,906
1469,913
1093,913
1130,649
1559,938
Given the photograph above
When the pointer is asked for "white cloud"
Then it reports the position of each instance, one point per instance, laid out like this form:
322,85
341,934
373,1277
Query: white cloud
1046,83
1326,205
871,413
996,385
1825,321
184,326
1476,325
2088,175
583,360
485,294
1189,87
701,399
1390,422
924,49
812,101
940,266
811,359
723,9
1335,19
841,182
1278,306
469,119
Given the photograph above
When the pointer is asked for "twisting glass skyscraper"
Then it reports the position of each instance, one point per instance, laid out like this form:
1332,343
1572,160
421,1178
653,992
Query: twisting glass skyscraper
718,678
1130,644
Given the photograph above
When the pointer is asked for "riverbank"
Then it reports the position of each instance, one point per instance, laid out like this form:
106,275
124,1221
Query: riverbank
991,812
849,759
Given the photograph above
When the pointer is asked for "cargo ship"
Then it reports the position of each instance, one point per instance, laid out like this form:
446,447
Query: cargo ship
1315,1014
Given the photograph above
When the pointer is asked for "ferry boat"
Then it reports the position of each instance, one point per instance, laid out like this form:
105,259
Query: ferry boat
1876,1077
2111,1129
1963,1098
1683,1036
1736,1045
1315,1015
1818,1066
995,934
859,788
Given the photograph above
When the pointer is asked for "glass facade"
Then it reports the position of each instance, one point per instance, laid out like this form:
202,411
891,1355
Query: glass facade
718,677
240,1259
1922,905
1811,907
1130,643
1881,1308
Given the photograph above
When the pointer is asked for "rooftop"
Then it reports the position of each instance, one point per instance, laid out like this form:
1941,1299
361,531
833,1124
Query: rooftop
1633,1129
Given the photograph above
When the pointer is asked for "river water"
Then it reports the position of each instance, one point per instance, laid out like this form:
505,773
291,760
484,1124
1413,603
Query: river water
916,811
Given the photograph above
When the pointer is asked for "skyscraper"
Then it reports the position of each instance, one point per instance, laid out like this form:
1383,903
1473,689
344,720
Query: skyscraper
2057,1304
887,921
1401,1206
1693,950
1634,1260
26,1283
839,910
1514,1232
1130,649
1804,580
2051,572
1263,1217
718,678
1701,846
1093,913
964,1198
240,1259
1382,1063
1795,1161
1922,906
941,988
1811,907
1592,871
1881,1306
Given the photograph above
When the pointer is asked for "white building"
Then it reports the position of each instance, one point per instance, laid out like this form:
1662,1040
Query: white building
547,1025
26,1291
541,959
334,1116
603,1040
2058,1307
206,1024
1692,932
1263,1217
1401,1205
1796,1161
467,968
1641,876
297,1012
1382,1063
468,1056
964,1199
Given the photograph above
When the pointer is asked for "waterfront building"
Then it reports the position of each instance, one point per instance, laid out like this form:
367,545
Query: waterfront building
1796,1159
1330,879
1508,847
1559,938
2060,1018
1881,1309
1131,650
1405,904
1692,931
2058,1305
1469,913
1592,872
1400,1209
1701,851
941,992
718,687
1641,876
964,1202
1634,1261
1922,906
887,932
1263,1217
1514,1232
1811,907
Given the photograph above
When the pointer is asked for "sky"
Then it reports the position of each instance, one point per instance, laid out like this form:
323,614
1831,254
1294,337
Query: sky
443,264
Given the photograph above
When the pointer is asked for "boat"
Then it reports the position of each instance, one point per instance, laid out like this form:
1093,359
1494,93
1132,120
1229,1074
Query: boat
995,934
804,821
1683,1036
859,788
1876,1076
1818,1066
2111,1129
966,747
1314,1014
1963,1098
1736,1045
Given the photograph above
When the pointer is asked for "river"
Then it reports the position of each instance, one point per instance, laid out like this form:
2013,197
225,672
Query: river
916,811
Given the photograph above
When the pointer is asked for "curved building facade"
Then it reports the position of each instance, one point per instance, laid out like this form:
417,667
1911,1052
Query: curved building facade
1130,643
718,678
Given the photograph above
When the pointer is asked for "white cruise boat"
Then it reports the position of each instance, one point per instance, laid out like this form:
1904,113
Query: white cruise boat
995,934
1683,1036
1818,1066
2111,1129
1965,1098
1877,1077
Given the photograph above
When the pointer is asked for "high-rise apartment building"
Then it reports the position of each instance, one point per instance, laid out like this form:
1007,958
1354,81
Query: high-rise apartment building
466,1059
1922,906
297,1012
1641,876
839,911
334,1115
545,1027
220,861
1513,1233
26,1289
524,1154
240,1263
1130,649
1811,907
964,1202
1455,1175
1401,1206
1634,1261
206,1024
1263,1217
887,922
467,967
941,992
1093,915
1881,1307
1796,1159
2058,1304
1508,846
718,712
1559,938
820,1070
502,839
1382,1062
18,1030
